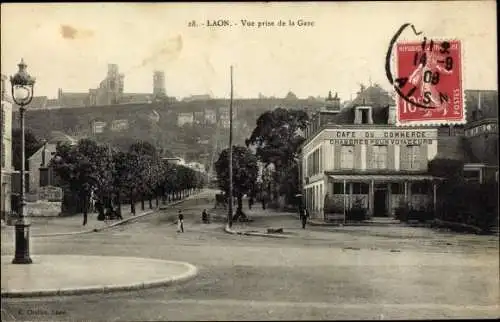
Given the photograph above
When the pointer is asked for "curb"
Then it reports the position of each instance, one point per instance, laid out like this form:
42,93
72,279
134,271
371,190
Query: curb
191,273
121,222
234,232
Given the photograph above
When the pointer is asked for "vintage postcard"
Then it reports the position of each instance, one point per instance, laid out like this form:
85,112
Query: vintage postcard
249,161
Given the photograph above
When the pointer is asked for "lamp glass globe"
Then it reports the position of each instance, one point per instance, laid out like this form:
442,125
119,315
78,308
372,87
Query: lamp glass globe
22,93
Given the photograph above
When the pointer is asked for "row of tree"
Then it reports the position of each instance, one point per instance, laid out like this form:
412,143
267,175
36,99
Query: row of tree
275,143
115,177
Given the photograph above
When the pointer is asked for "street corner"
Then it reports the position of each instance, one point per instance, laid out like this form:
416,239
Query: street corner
48,276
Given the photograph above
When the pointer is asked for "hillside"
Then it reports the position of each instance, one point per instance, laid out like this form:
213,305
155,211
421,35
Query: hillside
157,122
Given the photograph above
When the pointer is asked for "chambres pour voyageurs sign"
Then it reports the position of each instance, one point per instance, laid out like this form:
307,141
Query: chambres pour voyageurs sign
382,137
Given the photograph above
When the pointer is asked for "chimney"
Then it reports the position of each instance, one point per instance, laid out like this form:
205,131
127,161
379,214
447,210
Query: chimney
357,116
336,102
392,115
333,103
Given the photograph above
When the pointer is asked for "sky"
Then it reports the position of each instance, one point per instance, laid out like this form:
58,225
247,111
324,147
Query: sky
69,46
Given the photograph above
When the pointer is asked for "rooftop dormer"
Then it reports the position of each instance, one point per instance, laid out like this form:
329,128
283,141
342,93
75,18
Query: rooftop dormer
363,115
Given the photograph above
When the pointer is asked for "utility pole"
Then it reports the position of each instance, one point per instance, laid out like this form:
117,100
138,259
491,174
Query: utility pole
230,199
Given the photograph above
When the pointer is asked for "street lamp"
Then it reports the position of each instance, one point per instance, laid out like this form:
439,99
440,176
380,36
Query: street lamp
22,94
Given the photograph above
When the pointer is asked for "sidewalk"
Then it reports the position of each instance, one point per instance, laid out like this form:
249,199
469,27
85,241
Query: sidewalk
375,221
318,229
72,225
51,275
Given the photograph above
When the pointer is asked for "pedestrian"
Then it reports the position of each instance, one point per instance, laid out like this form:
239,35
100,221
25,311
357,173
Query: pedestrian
204,217
250,203
180,222
303,217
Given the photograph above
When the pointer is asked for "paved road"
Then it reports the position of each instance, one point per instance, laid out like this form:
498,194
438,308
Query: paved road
315,276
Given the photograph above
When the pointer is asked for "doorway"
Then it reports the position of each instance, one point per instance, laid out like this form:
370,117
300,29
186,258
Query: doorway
380,203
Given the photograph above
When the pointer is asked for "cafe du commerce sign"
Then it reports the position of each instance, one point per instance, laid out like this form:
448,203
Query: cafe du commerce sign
382,137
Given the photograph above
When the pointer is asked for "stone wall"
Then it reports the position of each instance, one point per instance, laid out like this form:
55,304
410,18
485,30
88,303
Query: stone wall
43,209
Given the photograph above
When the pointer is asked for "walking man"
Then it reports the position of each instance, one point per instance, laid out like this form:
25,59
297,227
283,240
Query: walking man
180,222
303,217
204,217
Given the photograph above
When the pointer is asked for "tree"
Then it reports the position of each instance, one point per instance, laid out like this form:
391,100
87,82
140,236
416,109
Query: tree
83,168
291,96
143,148
245,172
124,178
450,169
277,139
31,145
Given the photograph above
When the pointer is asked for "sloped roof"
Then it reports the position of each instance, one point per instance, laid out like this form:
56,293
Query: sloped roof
374,96
58,136
380,115
74,99
52,102
48,148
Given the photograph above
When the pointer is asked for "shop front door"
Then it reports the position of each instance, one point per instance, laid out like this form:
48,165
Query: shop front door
380,203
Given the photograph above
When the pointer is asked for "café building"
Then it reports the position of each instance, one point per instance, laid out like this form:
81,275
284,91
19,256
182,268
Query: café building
357,155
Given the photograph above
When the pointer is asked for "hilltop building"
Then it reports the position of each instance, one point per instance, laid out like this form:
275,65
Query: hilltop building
109,92
159,84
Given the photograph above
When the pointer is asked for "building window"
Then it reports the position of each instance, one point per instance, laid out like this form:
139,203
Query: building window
338,188
360,188
397,188
347,157
413,157
419,188
379,157
364,116
313,163
472,176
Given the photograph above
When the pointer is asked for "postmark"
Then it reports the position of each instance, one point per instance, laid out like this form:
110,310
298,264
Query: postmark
428,81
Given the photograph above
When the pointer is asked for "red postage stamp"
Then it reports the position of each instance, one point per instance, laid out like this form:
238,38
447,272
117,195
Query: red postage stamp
429,83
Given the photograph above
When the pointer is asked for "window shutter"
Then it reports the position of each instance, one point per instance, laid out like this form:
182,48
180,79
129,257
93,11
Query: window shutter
423,157
403,157
390,158
357,157
337,156
369,156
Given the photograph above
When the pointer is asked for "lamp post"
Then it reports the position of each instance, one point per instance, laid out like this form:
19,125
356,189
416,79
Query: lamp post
22,93
230,199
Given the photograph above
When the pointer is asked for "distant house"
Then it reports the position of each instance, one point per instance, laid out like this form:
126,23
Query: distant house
72,99
199,117
40,174
174,160
133,98
119,125
196,166
98,127
197,98
185,118
210,116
